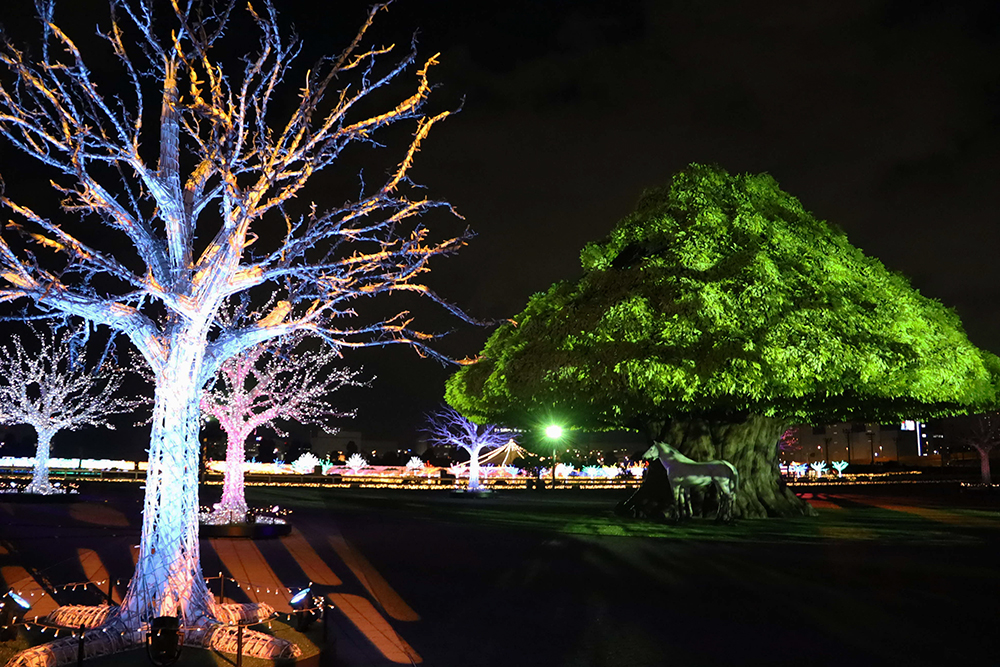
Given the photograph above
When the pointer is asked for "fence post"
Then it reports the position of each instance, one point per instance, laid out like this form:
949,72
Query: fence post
79,649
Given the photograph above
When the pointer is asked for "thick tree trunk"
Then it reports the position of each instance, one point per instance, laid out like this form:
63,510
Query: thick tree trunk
40,477
984,464
168,580
474,469
234,502
751,446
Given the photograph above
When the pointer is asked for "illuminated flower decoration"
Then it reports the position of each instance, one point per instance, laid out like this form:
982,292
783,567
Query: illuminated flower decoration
306,463
839,466
564,469
513,471
356,462
415,464
819,467
593,471
637,471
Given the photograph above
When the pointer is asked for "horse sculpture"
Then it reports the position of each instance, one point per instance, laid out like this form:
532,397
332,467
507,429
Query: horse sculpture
686,474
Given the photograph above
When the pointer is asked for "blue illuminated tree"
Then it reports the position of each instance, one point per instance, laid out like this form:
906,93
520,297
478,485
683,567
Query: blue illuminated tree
165,224
448,427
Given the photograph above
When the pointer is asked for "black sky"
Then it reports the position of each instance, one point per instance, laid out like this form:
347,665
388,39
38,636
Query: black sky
881,117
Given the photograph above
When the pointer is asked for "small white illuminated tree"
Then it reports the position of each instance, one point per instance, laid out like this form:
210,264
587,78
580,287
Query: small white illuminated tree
262,386
52,390
448,427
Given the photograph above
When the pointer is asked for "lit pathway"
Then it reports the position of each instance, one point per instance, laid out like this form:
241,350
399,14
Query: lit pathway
17,578
931,514
367,619
312,565
247,565
94,570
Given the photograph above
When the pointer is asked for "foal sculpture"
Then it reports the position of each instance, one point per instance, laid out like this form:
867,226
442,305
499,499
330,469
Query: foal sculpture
685,474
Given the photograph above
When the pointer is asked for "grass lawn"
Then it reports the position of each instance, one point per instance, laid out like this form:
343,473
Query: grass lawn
554,578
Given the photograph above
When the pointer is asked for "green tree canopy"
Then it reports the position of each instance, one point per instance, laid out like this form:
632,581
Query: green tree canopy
722,296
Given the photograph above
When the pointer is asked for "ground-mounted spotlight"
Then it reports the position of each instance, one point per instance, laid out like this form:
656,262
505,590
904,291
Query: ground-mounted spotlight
163,641
302,602
12,608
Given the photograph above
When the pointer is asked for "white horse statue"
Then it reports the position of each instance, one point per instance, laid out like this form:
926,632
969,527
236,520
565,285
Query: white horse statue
686,474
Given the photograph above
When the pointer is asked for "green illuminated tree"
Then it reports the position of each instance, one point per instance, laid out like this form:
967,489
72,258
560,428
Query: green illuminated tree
716,314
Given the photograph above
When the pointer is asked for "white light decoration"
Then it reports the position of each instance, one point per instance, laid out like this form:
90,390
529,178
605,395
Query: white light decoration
306,463
356,462
197,211
799,469
415,464
819,467
262,385
564,469
52,390
448,427
839,466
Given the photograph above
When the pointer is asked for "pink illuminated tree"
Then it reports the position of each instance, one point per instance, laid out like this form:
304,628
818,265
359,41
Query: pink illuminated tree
164,224
52,390
448,427
262,386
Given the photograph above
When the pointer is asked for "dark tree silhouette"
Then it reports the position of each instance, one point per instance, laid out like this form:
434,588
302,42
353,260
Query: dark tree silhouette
982,433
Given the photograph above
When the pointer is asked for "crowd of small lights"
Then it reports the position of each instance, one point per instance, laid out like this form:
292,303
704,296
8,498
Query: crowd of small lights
357,475
21,486
272,516
314,604
73,464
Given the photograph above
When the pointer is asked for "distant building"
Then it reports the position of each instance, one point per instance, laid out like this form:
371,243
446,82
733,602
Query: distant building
854,442
865,443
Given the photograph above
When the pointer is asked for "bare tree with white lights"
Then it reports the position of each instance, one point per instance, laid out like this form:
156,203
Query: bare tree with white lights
264,385
51,390
214,218
448,427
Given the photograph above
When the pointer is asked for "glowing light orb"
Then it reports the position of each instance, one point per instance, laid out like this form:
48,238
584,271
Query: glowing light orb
553,431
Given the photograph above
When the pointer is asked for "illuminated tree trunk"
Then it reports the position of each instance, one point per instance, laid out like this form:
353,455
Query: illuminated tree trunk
233,496
474,469
40,478
168,579
751,446
984,463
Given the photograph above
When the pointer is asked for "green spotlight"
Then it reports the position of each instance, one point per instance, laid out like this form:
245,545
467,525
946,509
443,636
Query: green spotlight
554,432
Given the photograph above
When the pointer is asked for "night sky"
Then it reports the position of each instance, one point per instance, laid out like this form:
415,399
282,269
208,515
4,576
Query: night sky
881,117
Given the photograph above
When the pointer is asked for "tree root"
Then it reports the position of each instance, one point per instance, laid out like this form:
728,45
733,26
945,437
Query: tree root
104,635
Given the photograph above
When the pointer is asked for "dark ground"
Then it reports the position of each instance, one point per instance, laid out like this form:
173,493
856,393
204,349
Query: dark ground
556,579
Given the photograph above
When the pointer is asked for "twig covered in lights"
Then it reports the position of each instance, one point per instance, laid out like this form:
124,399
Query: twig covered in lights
52,390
